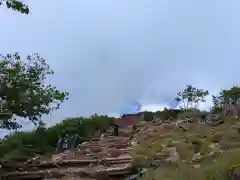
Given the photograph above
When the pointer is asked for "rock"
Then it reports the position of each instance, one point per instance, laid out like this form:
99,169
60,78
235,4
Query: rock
96,149
115,153
197,156
215,148
175,142
133,142
63,156
196,166
183,128
160,156
102,175
56,157
79,153
174,156
168,126
236,175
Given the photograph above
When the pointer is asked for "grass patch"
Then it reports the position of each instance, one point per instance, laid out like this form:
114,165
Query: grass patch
220,169
218,146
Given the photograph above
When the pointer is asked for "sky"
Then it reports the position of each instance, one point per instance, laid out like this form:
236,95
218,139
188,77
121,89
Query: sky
110,54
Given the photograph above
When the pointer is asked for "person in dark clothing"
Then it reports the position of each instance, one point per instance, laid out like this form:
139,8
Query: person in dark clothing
116,131
134,127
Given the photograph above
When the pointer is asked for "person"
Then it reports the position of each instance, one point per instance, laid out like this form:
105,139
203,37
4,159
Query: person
116,131
59,144
65,142
134,127
102,137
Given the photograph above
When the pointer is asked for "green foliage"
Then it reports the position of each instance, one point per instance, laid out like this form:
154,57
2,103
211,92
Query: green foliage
227,96
175,114
168,113
23,91
23,145
191,96
192,113
16,6
148,116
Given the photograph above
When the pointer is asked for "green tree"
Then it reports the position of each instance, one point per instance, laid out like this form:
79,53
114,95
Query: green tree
15,5
226,97
191,96
23,91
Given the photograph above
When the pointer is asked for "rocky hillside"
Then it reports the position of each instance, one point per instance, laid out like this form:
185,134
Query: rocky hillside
191,151
165,148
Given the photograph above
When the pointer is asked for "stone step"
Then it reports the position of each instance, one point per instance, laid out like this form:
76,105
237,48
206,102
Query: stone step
125,150
73,162
113,152
118,146
107,139
104,144
109,135
82,172
118,137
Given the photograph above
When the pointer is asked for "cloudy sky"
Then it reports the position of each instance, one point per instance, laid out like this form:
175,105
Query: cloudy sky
109,54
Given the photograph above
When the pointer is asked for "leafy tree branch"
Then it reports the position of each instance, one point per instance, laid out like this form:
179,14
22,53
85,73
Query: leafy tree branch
15,5
23,91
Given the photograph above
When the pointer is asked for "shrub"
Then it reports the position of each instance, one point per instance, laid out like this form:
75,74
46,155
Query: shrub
23,145
192,113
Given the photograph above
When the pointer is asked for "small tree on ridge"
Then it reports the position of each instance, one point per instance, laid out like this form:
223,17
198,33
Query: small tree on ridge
191,96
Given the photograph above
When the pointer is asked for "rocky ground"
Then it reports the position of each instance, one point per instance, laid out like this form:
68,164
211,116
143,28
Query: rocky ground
188,151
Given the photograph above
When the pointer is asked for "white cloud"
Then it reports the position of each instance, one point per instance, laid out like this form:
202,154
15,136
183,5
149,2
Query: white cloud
154,107
115,115
205,106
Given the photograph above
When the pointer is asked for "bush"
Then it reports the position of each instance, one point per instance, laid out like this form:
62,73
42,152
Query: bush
148,116
23,145
168,113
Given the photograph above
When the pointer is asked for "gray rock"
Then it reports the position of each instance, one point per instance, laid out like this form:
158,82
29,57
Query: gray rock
197,156
174,156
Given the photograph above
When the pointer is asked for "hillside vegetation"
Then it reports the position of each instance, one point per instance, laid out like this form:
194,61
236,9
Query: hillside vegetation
23,145
189,151
193,144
